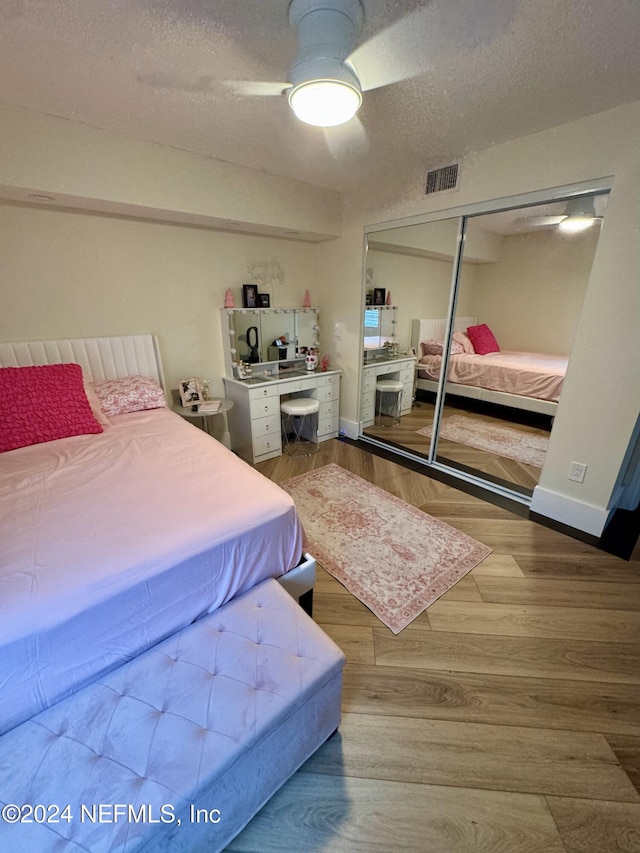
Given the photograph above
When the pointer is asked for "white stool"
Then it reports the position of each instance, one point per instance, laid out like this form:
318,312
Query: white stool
299,417
388,401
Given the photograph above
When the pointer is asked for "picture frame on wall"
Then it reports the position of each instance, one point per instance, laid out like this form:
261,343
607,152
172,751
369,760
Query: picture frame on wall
264,300
190,392
249,295
379,295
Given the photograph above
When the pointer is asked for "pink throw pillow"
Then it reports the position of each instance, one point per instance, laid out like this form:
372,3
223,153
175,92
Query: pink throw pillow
43,403
483,339
129,394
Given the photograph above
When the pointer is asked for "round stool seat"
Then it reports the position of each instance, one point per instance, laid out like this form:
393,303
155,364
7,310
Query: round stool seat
389,385
298,406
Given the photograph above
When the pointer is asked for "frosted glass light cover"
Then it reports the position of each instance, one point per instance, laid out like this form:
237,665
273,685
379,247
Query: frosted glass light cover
325,103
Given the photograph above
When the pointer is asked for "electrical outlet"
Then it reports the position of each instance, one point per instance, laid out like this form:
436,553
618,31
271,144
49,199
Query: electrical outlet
577,470
337,330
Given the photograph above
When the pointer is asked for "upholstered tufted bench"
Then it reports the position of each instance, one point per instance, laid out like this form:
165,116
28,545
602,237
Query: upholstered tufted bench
180,747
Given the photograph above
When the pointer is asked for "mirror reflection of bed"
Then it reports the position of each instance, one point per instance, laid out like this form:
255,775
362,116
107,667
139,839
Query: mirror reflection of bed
524,279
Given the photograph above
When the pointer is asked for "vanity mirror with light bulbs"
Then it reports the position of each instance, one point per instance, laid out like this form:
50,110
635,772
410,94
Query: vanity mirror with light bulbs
266,360
272,340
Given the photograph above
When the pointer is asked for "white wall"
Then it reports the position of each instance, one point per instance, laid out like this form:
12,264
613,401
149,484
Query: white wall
533,296
98,170
70,274
601,397
419,286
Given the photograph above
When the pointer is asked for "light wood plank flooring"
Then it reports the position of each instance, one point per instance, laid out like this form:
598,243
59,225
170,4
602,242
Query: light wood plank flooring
508,471
505,718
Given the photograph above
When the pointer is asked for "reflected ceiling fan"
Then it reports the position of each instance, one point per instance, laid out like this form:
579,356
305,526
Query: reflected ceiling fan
579,214
332,68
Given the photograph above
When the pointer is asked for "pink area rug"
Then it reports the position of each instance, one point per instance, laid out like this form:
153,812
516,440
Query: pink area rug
395,558
501,440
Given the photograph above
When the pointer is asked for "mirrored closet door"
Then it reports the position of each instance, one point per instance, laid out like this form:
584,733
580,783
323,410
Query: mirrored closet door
491,300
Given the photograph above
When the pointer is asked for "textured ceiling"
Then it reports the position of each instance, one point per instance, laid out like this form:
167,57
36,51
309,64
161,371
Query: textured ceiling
444,77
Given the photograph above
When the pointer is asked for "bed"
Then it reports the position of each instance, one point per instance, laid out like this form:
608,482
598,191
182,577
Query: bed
522,380
114,540
154,665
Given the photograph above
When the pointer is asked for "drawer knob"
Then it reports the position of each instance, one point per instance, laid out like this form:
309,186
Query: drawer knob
266,427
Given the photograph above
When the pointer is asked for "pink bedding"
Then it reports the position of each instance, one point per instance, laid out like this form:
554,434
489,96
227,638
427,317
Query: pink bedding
111,542
524,373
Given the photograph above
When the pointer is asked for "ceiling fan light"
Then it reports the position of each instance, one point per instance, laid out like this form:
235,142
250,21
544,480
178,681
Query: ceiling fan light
325,103
579,215
574,224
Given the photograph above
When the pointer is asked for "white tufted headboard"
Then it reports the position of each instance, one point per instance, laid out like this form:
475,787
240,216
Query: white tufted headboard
433,330
100,358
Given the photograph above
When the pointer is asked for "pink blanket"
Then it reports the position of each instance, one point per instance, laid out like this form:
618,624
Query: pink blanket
524,373
110,542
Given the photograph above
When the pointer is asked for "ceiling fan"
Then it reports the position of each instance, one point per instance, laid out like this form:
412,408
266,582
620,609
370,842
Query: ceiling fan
577,214
333,68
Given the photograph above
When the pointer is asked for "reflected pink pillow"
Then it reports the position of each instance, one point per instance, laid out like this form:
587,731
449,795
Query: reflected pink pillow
43,403
483,339
129,394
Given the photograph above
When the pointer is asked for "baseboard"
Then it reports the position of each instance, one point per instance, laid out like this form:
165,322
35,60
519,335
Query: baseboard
576,514
619,538
349,429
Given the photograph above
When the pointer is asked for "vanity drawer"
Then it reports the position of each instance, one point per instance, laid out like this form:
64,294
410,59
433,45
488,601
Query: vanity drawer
266,426
406,374
368,382
294,385
330,379
407,399
368,399
267,444
328,426
328,410
327,392
264,407
261,393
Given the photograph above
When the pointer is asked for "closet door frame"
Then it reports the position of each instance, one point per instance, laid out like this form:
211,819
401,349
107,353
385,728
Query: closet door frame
462,214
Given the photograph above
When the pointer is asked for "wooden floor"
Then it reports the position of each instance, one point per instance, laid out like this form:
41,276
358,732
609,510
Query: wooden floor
506,718
499,468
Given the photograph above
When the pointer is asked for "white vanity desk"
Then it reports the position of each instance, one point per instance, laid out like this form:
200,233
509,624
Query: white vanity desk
400,369
254,420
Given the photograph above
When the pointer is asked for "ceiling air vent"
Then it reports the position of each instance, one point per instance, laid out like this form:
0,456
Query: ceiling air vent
445,178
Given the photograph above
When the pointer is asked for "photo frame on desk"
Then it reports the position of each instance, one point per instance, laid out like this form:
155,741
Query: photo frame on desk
190,392
250,296
379,295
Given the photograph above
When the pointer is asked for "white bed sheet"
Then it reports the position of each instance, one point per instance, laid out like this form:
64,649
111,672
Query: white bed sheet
110,543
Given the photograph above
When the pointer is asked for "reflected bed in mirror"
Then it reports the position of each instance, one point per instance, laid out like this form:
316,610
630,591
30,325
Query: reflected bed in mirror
517,272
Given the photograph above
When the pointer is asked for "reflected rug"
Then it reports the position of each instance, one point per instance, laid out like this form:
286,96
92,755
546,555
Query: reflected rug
392,556
502,440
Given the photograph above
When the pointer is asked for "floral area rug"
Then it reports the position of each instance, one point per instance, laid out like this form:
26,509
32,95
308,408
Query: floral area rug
501,440
395,558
